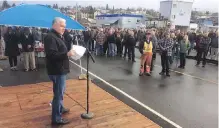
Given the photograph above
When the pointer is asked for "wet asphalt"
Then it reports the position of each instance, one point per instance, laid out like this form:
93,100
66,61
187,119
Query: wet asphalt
188,98
14,78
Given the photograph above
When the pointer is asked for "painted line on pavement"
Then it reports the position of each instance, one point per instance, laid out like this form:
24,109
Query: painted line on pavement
191,76
130,97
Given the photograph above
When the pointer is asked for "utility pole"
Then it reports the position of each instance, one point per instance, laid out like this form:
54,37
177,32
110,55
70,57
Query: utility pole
76,14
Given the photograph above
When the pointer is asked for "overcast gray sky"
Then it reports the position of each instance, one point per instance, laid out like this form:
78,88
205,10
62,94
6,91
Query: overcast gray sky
210,5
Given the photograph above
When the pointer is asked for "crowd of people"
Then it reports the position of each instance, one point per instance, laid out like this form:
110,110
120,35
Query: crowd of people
111,42
170,43
117,42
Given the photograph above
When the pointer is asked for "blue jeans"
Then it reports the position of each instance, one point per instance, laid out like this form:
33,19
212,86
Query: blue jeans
59,84
99,49
87,44
192,45
112,49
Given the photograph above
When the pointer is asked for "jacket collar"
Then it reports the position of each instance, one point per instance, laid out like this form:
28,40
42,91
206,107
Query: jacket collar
146,40
56,33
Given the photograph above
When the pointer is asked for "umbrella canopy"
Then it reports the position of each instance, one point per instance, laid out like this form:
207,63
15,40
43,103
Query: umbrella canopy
35,15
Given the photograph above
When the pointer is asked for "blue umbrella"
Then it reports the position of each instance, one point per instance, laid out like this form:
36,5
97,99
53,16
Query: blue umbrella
35,15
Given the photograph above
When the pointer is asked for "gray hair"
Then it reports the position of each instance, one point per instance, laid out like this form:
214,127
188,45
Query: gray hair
58,20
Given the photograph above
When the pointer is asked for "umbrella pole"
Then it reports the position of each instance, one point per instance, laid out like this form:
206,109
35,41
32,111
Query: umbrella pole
1,43
81,76
2,57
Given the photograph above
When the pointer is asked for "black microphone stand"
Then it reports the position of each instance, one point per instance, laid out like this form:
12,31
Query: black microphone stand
88,114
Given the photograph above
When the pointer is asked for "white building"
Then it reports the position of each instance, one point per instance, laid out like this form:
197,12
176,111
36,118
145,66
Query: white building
84,15
193,26
96,13
177,11
156,23
120,20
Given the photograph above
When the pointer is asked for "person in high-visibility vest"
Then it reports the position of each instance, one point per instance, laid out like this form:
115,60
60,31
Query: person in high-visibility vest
145,48
154,41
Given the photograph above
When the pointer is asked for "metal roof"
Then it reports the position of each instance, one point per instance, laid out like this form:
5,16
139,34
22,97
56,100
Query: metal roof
120,15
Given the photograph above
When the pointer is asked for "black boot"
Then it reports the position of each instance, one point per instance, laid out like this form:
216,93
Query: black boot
61,122
161,73
167,74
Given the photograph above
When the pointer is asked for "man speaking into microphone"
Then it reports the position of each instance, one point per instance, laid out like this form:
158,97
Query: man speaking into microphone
57,64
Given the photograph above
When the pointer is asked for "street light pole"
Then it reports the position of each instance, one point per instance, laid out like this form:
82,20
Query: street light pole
76,15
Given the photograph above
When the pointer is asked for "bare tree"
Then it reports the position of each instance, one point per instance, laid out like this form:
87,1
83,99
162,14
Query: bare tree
5,5
13,5
207,13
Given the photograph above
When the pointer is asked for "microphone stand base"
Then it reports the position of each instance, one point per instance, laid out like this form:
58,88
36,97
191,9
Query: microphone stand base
3,57
87,115
82,77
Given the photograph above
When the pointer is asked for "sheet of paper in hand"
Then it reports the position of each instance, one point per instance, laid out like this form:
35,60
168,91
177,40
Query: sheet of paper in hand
79,51
20,46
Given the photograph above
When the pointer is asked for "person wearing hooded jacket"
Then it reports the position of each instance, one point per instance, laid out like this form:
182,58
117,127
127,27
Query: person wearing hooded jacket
11,48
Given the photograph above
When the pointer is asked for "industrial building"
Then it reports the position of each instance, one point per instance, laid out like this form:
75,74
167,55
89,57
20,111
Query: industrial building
178,12
120,20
